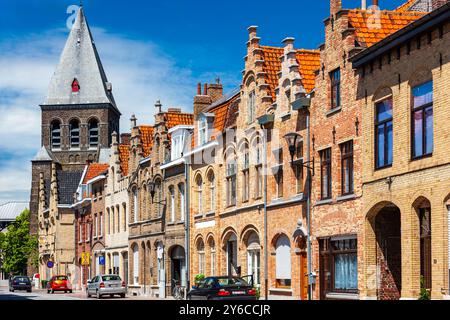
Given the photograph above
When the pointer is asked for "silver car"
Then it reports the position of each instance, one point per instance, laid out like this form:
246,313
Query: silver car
103,285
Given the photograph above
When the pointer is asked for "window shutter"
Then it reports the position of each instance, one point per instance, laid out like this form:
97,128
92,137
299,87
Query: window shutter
283,258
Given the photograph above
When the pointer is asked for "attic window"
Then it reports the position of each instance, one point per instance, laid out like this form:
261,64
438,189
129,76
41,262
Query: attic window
75,86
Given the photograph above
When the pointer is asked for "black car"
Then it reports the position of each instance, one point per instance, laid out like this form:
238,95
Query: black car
223,288
20,283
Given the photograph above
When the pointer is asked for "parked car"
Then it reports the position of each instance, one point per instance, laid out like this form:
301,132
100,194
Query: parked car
19,283
223,288
59,283
102,285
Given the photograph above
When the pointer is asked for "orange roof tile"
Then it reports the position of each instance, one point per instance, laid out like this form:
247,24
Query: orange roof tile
124,153
271,66
174,119
94,170
404,7
370,30
309,62
147,139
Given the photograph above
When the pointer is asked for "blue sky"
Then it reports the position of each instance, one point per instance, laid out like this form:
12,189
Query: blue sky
150,50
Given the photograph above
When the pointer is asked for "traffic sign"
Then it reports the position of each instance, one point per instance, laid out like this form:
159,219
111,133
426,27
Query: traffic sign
101,260
85,258
50,264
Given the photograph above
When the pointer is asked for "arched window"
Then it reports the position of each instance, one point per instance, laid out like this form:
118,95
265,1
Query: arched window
212,191
158,198
135,205
135,264
231,178
93,133
201,256
253,257
182,200
75,86
251,108
74,128
55,128
212,249
258,167
283,262
172,203
199,185
245,172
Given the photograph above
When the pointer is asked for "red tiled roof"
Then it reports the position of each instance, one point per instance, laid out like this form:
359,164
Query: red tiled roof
309,62
370,28
147,139
271,66
94,170
124,152
174,119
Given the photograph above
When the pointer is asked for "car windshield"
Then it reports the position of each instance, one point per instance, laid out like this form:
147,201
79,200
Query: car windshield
61,278
111,278
22,279
233,282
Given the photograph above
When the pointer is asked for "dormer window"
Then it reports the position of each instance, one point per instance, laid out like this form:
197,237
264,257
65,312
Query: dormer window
202,130
75,86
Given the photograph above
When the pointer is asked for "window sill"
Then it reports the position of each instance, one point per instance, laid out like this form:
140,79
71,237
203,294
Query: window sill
346,197
333,111
284,290
429,155
325,201
383,167
342,296
198,216
210,214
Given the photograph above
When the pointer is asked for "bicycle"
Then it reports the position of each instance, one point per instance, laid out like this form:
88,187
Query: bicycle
178,291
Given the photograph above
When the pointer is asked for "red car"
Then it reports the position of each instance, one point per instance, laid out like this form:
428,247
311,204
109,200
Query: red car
59,283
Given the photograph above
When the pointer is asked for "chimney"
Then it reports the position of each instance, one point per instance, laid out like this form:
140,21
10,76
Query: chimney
125,138
364,4
199,88
335,6
375,3
133,121
158,106
215,91
201,102
205,89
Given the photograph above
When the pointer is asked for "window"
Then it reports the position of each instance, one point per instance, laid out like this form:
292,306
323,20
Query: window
75,86
383,133
298,167
279,173
338,265
422,123
246,174
283,262
182,200
101,224
325,173
347,168
201,257
199,183
135,264
93,133
56,134
95,226
212,191
74,128
113,220
88,232
80,229
258,169
172,204
335,88
253,257
158,198
135,205
212,247
202,130
425,246
251,106
231,182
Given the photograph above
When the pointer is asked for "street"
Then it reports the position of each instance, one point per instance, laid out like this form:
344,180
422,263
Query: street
58,296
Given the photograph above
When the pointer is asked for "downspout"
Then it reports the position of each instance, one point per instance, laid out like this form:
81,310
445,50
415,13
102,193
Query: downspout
308,208
266,258
186,226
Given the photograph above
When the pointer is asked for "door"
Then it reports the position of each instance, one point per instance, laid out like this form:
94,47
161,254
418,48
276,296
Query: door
303,277
125,268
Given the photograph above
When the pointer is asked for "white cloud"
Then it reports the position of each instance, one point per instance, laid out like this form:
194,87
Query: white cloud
141,73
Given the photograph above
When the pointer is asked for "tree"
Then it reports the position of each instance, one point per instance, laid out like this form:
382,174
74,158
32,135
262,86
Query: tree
17,246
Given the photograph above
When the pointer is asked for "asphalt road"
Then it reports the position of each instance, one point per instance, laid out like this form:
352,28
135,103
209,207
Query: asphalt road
43,295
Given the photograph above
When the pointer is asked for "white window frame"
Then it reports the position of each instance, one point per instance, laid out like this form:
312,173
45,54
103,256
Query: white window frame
182,200
251,106
172,204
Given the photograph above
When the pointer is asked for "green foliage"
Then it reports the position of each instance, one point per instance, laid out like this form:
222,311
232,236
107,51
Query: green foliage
18,247
199,278
424,293
258,292
44,284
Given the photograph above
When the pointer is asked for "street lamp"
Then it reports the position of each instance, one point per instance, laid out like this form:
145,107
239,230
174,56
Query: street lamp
291,139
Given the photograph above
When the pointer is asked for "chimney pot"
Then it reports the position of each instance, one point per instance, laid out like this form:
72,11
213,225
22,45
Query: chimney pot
199,88
375,2
205,89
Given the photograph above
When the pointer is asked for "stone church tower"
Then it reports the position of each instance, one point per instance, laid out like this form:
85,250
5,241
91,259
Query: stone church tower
77,120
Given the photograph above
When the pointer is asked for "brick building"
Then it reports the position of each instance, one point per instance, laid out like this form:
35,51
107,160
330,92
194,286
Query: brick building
78,117
117,208
89,223
234,194
337,147
156,197
403,90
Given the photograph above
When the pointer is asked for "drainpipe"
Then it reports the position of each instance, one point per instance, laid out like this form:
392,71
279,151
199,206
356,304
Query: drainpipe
186,225
266,258
308,209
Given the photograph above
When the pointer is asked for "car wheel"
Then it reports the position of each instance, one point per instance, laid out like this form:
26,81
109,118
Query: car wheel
48,291
53,291
122,295
87,294
99,296
65,291
70,291
29,291
12,290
